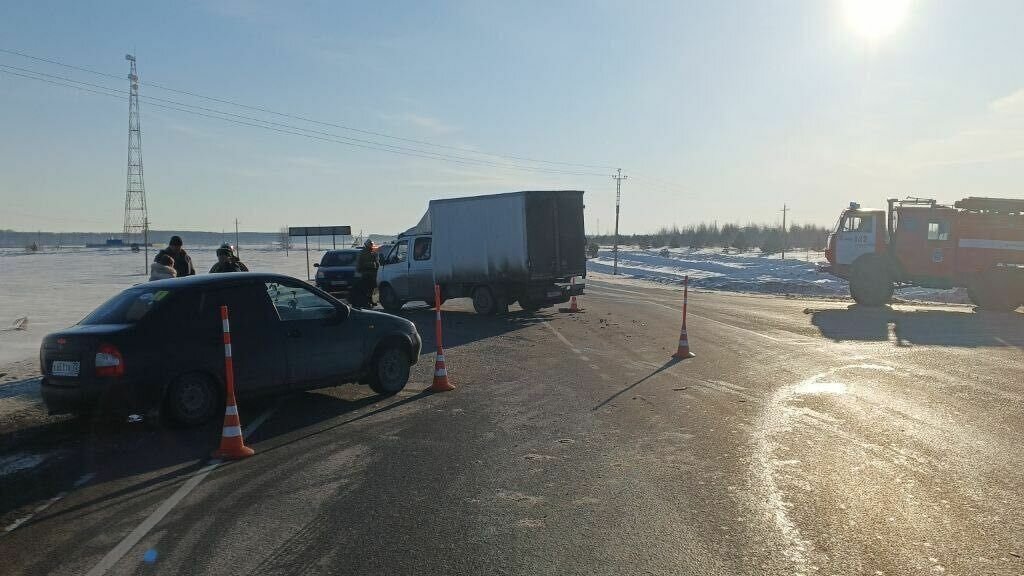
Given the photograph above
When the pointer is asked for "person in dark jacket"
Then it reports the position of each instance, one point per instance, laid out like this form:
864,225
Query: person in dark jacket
182,261
227,260
366,266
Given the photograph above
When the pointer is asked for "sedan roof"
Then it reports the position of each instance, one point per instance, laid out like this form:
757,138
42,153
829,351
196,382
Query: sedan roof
220,279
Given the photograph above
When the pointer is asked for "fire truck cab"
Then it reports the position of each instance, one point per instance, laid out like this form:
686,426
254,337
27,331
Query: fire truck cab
977,243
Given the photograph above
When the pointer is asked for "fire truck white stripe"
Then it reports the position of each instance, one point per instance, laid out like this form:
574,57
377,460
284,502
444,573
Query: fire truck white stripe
992,244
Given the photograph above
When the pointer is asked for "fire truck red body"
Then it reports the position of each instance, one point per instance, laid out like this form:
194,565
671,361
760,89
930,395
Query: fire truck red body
977,243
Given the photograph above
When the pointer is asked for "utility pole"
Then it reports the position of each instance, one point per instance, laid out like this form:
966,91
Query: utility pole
785,236
618,177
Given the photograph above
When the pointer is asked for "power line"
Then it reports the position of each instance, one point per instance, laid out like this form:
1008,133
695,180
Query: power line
277,126
664,184
304,118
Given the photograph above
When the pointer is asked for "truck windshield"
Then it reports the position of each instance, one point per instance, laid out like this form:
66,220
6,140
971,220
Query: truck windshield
128,307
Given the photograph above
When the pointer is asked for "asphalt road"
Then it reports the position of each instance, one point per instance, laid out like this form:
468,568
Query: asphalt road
806,437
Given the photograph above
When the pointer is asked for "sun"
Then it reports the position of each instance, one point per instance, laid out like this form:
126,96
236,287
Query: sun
875,19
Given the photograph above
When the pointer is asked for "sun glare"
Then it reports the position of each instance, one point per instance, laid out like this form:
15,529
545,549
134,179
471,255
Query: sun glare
875,19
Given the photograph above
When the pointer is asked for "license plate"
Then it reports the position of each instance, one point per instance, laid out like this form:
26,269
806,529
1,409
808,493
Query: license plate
65,368
554,294
340,283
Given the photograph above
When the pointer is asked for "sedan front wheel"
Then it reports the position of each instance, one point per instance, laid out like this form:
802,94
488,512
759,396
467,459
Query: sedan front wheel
390,371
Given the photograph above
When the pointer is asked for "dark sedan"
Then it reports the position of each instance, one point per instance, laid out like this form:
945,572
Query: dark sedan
158,347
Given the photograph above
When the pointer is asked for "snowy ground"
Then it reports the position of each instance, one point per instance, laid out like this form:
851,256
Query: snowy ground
717,269
57,289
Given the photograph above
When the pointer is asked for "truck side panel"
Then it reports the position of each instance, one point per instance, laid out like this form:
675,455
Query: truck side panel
479,239
987,240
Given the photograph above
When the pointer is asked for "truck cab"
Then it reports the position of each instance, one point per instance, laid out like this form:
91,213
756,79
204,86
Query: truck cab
858,232
407,272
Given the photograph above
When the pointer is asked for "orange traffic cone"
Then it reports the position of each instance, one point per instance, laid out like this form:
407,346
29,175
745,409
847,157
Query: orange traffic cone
684,346
573,306
441,383
232,445
683,352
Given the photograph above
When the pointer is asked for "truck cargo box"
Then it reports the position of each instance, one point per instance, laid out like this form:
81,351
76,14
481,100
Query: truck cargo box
514,237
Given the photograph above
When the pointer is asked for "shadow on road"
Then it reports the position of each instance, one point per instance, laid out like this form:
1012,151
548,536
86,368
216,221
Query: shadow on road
933,327
152,454
672,362
462,327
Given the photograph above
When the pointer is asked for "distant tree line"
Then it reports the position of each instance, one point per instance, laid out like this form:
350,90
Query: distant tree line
766,238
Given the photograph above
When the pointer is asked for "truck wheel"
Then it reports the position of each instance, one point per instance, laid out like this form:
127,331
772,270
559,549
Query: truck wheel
992,292
388,299
192,400
484,302
870,282
390,371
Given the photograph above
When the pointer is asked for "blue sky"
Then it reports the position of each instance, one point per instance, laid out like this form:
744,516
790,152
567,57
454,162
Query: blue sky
716,110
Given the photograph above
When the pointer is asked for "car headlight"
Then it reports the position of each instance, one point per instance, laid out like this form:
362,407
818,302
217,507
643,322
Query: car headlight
319,274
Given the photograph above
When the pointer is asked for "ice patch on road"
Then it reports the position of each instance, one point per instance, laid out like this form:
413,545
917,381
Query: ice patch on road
20,461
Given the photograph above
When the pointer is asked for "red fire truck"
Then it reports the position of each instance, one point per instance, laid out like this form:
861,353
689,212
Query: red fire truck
977,243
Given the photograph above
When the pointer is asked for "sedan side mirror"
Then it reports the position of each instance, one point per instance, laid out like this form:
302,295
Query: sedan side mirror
316,264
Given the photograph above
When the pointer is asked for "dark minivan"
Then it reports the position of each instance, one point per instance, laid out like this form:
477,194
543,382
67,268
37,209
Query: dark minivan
158,347
336,272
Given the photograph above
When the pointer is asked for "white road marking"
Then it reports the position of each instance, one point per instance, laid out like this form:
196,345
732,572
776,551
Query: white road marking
78,483
140,531
562,338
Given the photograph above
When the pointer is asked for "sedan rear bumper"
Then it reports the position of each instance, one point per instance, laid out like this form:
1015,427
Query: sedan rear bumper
114,395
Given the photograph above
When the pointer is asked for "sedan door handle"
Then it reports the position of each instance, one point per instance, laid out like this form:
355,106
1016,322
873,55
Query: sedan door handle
294,333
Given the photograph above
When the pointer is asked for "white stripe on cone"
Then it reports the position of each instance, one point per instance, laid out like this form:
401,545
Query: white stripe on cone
227,327
440,358
441,372
231,410
232,431
227,350
684,343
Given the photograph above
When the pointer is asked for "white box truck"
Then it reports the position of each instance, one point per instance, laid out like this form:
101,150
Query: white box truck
498,249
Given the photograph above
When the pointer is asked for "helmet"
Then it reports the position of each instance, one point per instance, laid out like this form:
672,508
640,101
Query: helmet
226,249
368,243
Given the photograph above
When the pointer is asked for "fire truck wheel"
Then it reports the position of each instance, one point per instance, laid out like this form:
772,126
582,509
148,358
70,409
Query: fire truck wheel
992,292
870,282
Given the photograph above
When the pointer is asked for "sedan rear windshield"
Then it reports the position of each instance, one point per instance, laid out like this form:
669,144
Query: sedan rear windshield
128,307
339,259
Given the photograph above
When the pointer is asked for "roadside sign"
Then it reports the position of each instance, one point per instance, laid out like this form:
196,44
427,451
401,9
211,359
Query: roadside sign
320,231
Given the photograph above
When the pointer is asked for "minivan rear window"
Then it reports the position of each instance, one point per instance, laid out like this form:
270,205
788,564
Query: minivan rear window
339,259
128,307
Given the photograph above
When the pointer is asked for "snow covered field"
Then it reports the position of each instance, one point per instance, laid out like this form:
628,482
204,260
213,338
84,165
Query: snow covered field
716,269
57,289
